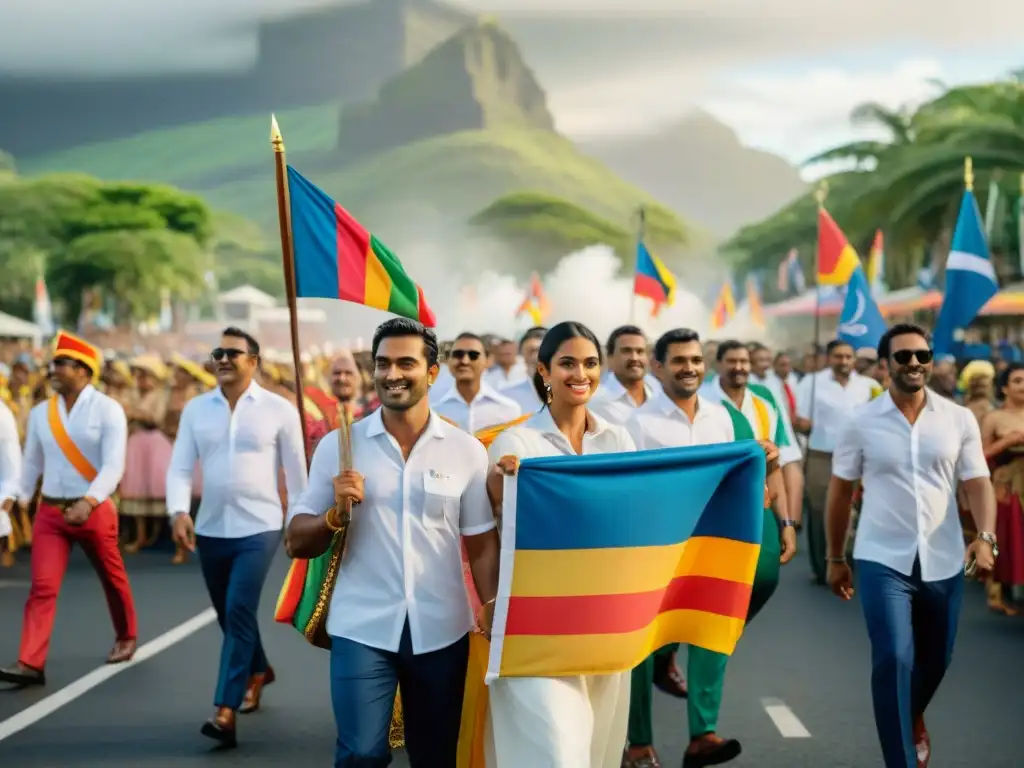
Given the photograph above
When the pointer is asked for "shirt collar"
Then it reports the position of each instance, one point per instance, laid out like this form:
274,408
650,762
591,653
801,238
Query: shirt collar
668,407
486,392
542,422
83,397
375,425
615,391
930,400
253,392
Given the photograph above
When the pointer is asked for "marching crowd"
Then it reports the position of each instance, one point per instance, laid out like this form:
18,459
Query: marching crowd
886,476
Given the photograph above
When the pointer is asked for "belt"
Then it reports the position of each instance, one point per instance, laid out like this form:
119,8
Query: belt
60,503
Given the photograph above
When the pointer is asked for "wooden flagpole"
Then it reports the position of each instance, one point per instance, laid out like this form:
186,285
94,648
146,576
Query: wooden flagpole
288,262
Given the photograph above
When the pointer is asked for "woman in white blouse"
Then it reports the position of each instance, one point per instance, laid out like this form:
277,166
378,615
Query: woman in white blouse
564,722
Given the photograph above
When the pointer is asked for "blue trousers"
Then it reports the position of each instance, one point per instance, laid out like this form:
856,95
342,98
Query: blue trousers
234,571
363,685
912,627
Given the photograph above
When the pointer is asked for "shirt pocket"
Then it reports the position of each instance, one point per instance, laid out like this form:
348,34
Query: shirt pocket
441,498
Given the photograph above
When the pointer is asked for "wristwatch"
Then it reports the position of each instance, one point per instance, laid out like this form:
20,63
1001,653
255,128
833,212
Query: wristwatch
787,523
990,539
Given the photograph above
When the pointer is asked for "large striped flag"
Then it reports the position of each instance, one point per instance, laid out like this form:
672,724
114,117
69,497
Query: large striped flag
653,279
647,548
836,258
337,258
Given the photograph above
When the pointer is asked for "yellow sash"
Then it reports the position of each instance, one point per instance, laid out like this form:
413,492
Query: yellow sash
763,419
67,446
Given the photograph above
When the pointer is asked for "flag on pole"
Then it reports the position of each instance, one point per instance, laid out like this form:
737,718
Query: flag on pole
861,323
836,258
592,591
754,306
724,308
653,279
337,258
535,303
42,310
791,275
970,277
876,263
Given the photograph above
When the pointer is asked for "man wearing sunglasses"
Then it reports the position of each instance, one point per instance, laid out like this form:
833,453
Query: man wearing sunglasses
76,441
473,404
909,447
242,435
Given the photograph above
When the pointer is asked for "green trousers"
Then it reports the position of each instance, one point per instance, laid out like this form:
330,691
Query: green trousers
705,670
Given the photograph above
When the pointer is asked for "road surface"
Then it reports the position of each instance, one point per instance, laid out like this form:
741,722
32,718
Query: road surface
797,692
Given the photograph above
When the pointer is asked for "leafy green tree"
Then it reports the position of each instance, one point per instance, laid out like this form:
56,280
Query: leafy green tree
7,164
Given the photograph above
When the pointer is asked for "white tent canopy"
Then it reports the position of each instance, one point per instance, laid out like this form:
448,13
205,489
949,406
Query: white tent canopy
12,327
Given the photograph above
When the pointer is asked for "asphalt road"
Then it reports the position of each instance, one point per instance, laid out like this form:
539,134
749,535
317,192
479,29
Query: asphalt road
805,661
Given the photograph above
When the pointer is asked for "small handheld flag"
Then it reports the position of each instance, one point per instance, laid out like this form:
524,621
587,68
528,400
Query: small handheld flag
653,279
970,276
337,258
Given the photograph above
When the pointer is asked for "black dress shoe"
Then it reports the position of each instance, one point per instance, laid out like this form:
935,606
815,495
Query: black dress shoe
221,728
664,679
723,752
22,676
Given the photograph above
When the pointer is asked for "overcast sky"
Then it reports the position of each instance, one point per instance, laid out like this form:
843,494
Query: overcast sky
785,74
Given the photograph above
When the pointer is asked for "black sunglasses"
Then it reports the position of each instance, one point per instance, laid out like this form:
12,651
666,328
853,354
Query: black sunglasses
460,354
904,356
231,354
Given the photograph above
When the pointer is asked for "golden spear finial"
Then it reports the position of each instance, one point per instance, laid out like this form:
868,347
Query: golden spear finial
969,174
276,140
821,193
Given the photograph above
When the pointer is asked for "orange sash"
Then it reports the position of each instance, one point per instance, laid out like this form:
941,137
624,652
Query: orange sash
67,446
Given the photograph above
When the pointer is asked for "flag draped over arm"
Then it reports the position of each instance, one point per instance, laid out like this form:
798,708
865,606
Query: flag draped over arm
606,558
337,258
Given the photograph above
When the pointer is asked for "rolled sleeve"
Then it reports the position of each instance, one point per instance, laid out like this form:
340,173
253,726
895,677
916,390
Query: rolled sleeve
112,450
318,496
475,515
848,458
971,464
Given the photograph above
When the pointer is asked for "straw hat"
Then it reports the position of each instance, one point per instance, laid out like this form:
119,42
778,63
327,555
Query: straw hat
152,364
196,371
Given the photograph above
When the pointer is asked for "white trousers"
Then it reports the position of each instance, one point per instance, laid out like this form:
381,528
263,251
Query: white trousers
558,722
5,524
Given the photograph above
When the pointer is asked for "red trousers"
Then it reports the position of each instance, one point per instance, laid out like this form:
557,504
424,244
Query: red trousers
51,547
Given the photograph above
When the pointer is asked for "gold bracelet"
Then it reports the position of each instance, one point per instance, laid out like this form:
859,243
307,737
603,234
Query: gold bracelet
335,526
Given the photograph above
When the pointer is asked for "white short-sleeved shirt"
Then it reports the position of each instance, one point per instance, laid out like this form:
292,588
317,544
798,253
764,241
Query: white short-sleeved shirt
538,436
403,557
524,394
832,405
612,401
909,475
489,408
660,423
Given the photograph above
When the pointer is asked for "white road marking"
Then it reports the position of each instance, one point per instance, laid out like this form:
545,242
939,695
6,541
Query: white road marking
12,583
86,683
785,720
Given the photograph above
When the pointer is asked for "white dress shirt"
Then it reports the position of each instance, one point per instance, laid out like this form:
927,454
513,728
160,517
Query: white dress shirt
10,464
488,408
524,394
909,475
660,423
499,378
403,556
787,453
240,452
442,384
613,402
832,405
97,426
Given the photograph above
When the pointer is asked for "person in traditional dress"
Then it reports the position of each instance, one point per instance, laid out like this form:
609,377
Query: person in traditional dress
76,442
679,416
399,613
149,453
1002,433
119,384
188,379
564,722
241,434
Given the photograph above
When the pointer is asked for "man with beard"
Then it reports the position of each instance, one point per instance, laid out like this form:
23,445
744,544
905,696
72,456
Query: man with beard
524,393
793,473
824,404
679,416
626,386
76,441
909,447
399,615
242,435
473,404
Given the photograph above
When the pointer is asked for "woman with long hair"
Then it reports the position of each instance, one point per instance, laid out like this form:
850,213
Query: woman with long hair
1002,432
563,722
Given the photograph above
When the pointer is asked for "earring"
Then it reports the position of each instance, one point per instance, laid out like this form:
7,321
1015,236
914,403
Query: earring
547,386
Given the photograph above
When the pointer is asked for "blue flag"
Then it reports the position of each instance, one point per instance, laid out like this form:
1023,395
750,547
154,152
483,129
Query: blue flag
861,324
970,277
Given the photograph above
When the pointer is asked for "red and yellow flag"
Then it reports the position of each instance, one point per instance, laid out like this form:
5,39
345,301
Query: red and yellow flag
535,303
837,260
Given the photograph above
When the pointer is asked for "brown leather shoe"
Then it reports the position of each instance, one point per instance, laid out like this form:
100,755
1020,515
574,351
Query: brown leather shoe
22,675
123,650
710,749
642,757
254,690
221,728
